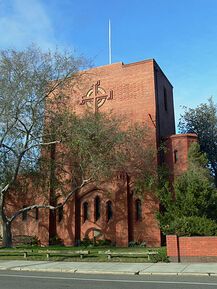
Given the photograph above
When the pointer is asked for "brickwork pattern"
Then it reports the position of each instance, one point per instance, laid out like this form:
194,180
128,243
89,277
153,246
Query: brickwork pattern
141,93
193,249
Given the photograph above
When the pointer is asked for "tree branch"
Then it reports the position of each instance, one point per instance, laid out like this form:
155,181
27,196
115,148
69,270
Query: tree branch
32,207
41,144
5,189
9,148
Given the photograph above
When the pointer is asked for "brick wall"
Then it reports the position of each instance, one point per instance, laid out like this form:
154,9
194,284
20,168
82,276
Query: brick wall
164,104
192,249
146,229
143,94
138,93
176,156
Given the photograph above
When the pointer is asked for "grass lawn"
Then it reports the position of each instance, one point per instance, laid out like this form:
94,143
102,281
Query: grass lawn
93,256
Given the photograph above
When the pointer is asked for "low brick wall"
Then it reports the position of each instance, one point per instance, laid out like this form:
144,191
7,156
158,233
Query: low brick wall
191,249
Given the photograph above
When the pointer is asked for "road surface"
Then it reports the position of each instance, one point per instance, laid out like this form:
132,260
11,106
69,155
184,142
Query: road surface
33,280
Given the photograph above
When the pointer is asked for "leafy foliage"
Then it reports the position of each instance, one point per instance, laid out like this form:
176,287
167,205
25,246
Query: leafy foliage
95,147
191,226
161,256
92,141
34,116
27,79
194,200
22,240
55,240
203,121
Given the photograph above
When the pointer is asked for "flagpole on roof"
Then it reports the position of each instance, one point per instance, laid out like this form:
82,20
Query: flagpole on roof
110,43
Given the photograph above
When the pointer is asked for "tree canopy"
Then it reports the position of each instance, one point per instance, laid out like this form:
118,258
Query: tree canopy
96,148
39,132
27,80
193,200
202,120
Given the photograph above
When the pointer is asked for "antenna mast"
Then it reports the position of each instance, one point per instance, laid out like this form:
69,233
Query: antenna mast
110,44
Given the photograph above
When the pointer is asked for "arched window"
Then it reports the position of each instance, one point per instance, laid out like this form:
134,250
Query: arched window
36,214
85,212
24,214
60,213
97,208
138,208
109,212
175,153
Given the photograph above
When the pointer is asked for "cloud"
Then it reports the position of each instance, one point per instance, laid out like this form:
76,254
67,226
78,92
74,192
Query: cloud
23,22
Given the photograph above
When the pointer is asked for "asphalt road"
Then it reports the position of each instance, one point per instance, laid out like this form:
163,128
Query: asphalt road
31,280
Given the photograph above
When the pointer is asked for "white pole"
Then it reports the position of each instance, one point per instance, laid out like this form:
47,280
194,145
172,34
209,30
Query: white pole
110,43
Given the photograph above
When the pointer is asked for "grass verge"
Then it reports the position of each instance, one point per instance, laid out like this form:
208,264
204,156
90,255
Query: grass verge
93,256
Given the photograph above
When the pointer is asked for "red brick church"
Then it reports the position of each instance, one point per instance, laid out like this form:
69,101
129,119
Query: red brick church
142,93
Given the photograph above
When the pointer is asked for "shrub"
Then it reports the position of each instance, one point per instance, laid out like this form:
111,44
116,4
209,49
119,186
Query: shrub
105,242
191,226
161,256
189,208
55,240
86,242
20,240
133,244
136,244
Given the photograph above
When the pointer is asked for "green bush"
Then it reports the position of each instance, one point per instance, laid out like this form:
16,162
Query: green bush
86,242
189,208
20,240
55,240
161,256
137,244
191,226
105,242
133,244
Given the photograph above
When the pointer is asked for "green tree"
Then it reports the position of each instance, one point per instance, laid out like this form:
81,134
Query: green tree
203,121
193,200
27,80
96,148
35,123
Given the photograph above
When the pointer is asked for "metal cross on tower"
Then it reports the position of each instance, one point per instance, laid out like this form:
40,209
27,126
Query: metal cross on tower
96,97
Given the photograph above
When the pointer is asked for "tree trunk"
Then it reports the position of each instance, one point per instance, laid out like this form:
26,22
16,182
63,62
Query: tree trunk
5,223
7,236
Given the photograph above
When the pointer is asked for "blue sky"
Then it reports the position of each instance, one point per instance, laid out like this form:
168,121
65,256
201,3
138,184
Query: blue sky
180,35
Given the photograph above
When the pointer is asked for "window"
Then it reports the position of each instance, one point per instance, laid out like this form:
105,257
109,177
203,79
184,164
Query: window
109,212
97,208
24,214
165,99
60,213
85,212
175,156
36,213
138,206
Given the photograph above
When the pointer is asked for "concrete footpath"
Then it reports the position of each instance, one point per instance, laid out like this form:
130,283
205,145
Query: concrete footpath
112,268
